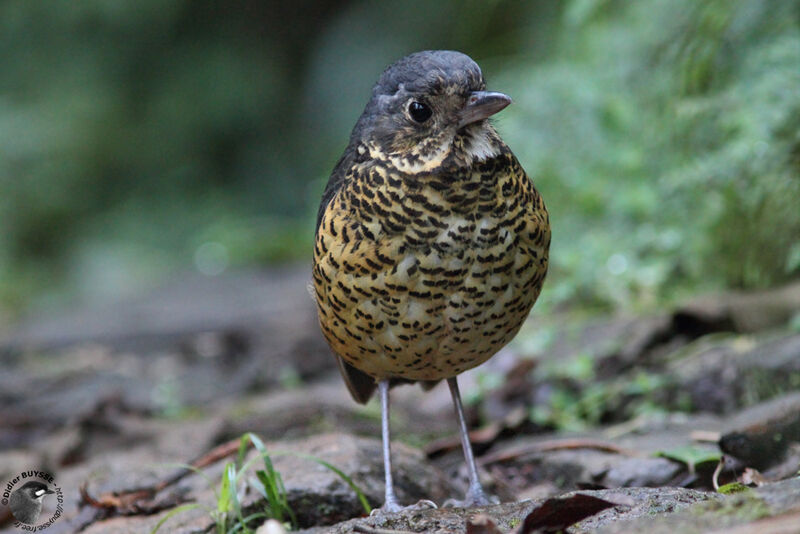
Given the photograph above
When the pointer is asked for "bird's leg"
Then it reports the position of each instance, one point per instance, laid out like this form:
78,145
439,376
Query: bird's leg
475,494
390,503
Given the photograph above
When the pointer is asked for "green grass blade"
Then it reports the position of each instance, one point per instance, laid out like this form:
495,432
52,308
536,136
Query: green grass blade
175,511
243,446
274,501
256,441
233,483
259,445
224,499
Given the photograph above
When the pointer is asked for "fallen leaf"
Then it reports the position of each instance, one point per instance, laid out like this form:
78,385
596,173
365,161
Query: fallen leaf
692,456
555,515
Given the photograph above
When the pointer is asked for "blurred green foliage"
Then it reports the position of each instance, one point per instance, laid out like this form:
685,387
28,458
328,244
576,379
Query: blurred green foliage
666,137
144,138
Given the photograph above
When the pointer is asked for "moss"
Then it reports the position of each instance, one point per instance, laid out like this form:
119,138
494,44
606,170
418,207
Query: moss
733,487
742,506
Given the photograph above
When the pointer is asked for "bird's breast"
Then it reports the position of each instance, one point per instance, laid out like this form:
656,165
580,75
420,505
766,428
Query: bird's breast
424,278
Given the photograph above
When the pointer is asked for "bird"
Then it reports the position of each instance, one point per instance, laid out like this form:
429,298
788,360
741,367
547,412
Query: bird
26,502
431,242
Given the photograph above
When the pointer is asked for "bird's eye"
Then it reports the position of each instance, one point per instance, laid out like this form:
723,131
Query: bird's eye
419,112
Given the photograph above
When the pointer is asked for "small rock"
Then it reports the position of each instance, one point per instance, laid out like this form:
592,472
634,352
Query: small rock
760,436
646,503
271,526
743,311
720,375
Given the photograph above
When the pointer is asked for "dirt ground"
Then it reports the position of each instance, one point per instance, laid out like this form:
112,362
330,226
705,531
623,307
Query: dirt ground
646,414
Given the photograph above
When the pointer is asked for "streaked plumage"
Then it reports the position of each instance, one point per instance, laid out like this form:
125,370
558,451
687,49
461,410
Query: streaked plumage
432,242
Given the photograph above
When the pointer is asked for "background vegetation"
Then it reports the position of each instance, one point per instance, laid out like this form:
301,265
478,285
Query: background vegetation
142,139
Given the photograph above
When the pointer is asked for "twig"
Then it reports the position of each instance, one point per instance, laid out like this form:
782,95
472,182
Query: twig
715,476
224,450
556,445
133,500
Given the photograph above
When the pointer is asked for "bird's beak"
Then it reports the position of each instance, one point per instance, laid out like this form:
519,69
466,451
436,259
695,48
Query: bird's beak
482,105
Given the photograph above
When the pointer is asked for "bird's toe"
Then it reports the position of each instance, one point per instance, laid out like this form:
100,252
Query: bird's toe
473,499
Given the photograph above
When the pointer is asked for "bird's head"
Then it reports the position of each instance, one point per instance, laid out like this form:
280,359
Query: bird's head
35,490
430,109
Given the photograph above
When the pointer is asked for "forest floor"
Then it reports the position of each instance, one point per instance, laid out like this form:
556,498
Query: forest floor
600,424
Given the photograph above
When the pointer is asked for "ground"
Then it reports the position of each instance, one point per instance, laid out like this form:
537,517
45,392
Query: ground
634,410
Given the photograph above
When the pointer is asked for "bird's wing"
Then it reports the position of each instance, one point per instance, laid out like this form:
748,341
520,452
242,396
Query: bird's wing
335,183
360,385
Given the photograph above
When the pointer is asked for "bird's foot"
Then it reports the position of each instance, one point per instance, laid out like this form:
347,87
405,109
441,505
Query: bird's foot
393,507
475,497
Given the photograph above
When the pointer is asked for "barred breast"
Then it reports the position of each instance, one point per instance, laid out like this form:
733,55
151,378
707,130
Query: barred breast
423,277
